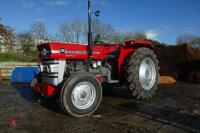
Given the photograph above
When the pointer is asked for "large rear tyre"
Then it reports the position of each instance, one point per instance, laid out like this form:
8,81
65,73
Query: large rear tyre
143,73
81,95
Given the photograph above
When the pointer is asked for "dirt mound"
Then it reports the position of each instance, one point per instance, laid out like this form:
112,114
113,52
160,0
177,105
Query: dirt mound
180,62
166,80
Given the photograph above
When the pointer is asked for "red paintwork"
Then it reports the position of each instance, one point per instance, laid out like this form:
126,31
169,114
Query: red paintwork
129,47
137,43
123,54
46,90
49,90
100,79
103,50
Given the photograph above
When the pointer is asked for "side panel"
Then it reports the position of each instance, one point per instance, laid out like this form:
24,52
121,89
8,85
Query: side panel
129,47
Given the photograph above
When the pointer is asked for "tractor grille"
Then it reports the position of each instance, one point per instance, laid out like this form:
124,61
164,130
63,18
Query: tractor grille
52,71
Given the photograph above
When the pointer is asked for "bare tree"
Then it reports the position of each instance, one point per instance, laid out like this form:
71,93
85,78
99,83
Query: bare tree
196,42
77,28
185,38
101,32
192,40
77,31
39,32
26,41
71,31
65,32
119,37
140,36
7,36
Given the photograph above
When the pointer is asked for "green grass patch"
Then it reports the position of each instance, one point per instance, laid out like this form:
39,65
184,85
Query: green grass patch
7,57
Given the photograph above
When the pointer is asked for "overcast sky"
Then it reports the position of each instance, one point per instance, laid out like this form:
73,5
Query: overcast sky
163,20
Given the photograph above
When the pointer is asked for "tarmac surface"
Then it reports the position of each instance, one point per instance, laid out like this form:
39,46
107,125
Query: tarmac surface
174,108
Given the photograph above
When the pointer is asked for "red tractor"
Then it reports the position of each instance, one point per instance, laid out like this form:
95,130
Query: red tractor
76,72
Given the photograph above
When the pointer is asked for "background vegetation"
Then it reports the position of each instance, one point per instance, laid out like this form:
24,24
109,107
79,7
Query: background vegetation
21,46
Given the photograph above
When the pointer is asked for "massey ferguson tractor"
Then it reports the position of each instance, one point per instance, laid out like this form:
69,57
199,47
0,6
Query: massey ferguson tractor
75,72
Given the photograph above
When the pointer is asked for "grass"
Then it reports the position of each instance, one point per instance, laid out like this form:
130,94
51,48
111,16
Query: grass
8,57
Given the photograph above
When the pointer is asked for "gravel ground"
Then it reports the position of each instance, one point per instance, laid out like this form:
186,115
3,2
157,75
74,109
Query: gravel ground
175,108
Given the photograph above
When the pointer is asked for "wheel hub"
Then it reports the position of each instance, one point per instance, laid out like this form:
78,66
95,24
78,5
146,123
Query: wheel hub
147,73
83,95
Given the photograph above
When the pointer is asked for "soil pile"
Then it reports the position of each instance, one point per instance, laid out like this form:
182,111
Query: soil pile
166,80
180,62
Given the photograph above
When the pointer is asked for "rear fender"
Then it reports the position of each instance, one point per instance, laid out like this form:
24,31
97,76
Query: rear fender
127,49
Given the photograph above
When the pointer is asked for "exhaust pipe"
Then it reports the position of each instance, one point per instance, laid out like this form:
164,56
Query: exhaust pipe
90,43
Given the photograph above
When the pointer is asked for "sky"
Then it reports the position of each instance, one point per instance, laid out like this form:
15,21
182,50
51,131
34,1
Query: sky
163,20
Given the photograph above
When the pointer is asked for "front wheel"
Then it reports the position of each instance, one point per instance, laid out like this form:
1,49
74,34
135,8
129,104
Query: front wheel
81,95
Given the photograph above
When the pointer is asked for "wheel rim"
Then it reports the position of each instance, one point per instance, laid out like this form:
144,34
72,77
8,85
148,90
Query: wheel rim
83,95
147,73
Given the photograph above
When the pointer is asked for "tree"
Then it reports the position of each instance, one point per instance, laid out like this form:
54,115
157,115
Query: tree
135,36
196,42
7,36
39,32
155,42
140,36
71,31
101,32
27,42
77,28
192,40
119,38
77,31
185,39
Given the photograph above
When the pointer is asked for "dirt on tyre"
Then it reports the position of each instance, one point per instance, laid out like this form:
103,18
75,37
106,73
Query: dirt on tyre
143,73
81,95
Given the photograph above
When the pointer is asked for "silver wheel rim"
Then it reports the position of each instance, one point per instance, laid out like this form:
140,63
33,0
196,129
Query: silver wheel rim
147,73
83,95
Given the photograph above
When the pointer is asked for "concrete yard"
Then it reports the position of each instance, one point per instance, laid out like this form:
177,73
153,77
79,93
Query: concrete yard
174,108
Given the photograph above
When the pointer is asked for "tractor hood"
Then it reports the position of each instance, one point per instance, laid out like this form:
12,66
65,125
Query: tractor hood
63,51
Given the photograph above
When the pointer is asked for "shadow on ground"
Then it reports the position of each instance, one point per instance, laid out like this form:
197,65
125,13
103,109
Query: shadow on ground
170,113
175,108
25,92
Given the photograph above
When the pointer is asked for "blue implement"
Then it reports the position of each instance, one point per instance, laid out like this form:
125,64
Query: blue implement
23,74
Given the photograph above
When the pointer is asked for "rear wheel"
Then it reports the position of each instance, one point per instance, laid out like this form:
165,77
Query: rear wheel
143,73
81,95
